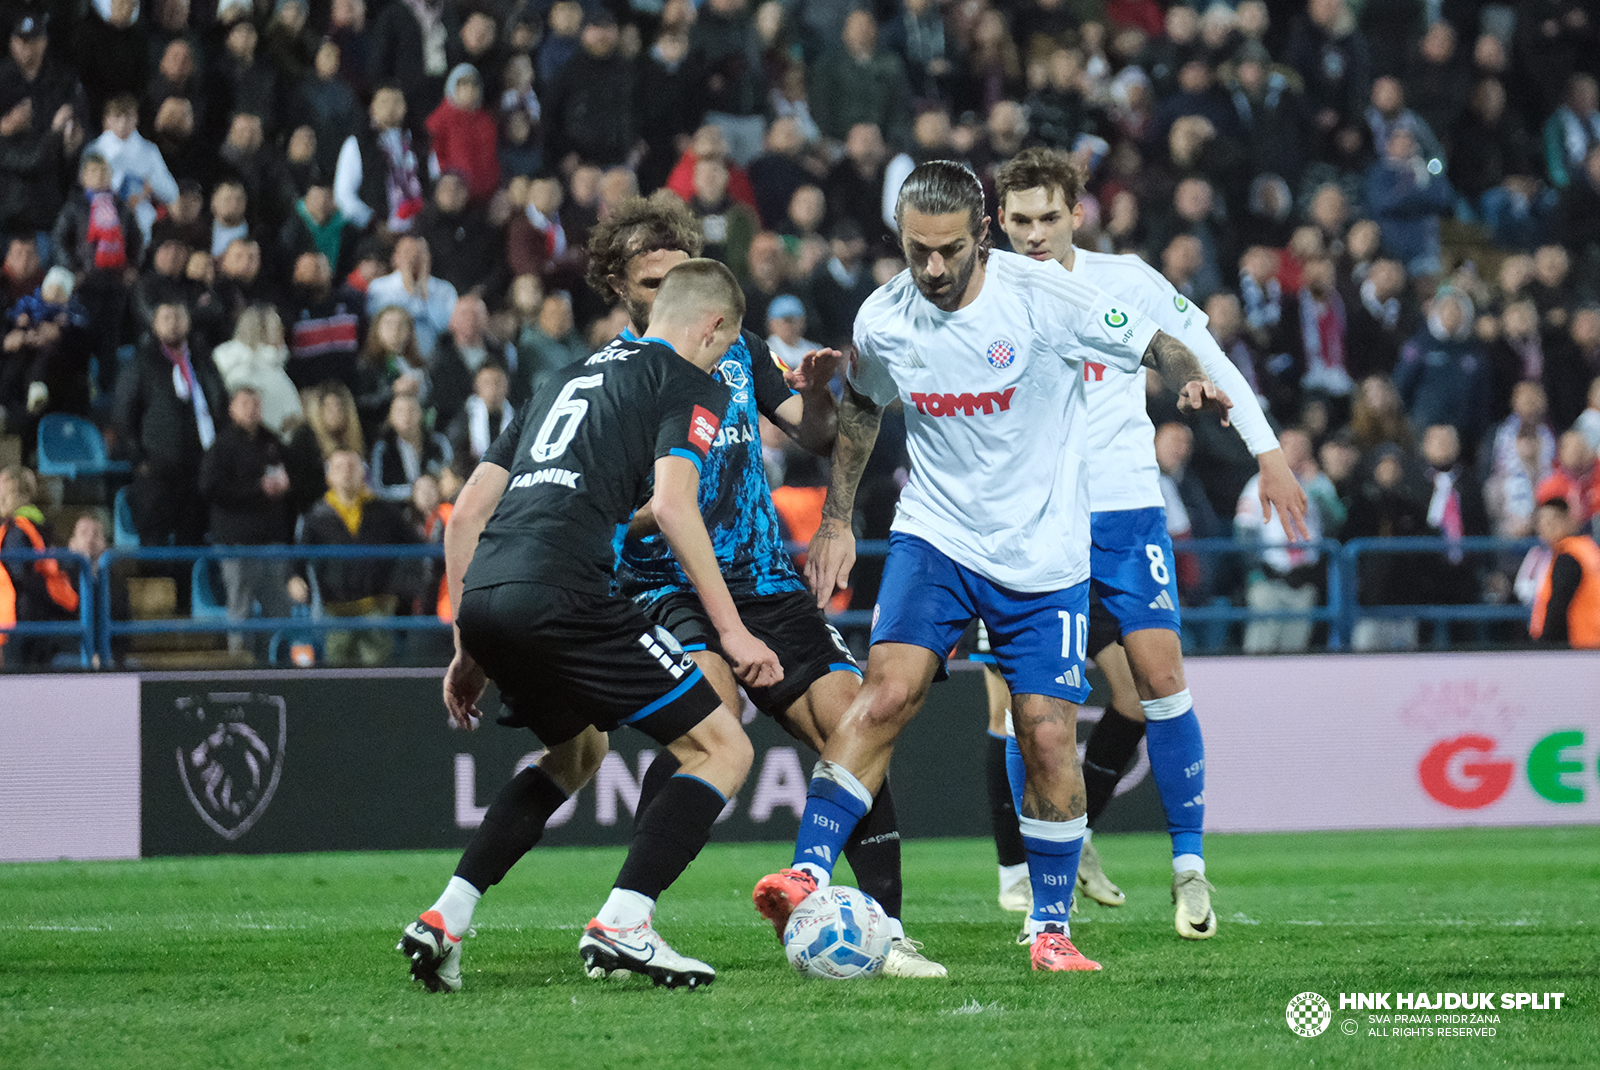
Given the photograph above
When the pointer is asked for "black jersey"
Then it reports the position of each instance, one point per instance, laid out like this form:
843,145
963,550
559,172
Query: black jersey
735,501
581,455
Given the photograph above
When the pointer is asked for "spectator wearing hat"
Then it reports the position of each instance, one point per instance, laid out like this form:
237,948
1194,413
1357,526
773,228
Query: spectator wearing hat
44,359
1443,377
786,329
464,135
42,113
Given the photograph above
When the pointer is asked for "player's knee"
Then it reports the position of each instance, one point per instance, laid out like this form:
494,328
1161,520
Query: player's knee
1163,681
573,763
890,705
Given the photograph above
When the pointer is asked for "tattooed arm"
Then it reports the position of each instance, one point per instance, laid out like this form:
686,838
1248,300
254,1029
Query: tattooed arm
833,548
1181,370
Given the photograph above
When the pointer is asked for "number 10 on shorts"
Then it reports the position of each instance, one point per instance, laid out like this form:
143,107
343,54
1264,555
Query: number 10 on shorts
1074,626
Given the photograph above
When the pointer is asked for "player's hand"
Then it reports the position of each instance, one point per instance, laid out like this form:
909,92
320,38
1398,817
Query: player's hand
753,662
817,369
829,559
1279,488
464,682
1200,394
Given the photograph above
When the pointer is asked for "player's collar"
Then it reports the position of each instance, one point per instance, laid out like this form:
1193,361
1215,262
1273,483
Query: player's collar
627,334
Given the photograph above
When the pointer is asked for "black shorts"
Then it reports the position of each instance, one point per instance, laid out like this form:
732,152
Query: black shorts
564,660
807,646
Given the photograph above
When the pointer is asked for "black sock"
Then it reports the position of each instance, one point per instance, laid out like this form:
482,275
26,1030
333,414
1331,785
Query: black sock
668,836
511,827
1002,811
873,852
1112,745
661,769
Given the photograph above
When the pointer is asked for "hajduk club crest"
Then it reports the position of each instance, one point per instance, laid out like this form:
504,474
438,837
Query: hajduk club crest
1000,354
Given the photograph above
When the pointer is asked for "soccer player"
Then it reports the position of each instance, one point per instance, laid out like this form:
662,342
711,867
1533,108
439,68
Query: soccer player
1132,568
530,561
986,352
628,252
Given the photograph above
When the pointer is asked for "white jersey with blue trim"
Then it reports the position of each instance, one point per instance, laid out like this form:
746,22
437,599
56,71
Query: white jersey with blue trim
1122,454
991,391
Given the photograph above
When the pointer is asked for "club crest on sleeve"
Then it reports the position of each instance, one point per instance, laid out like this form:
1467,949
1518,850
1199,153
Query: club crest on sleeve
1000,354
703,426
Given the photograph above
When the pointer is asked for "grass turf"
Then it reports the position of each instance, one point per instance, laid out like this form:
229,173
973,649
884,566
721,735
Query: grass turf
288,961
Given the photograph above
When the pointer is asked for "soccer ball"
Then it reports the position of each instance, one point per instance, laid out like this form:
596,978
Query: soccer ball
837,933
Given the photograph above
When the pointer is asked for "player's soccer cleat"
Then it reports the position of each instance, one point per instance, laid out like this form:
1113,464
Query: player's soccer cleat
1092,880
907,960
1053,951
1191,893
640,950
1017,895
434,953
777,894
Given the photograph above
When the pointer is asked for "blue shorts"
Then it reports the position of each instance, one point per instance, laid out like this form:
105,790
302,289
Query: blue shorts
1039,640
1132,567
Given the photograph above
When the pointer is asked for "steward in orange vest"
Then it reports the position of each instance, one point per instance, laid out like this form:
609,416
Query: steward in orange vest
1567,609
38,590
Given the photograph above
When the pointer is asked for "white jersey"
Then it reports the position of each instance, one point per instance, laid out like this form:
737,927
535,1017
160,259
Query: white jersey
1122,452
991,394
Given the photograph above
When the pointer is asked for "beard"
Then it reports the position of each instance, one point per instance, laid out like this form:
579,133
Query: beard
945,294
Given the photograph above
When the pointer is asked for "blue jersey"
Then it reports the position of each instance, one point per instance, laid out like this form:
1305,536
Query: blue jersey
735,501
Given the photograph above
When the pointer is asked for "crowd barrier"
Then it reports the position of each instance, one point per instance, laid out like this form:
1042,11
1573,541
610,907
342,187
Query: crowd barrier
122,765
1337,611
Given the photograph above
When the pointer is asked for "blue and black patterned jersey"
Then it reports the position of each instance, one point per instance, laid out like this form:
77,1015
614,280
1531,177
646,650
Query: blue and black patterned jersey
735,501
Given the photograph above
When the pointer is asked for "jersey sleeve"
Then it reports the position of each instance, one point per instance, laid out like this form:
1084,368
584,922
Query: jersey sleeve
770,388
1181,318
866,370
503,450
692,404
1109,325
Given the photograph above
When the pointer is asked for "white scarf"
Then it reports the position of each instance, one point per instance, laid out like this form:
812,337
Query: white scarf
478,424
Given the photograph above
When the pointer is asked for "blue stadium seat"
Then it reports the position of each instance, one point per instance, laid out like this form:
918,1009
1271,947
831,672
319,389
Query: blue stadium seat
71,446
125,536
203,584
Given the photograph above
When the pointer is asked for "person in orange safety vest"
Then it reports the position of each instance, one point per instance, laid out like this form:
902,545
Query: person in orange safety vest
1566,611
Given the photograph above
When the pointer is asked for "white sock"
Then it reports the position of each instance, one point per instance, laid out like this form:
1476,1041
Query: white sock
822,876
625,909
1183,862
456,905
1088,833
1010,875
896,930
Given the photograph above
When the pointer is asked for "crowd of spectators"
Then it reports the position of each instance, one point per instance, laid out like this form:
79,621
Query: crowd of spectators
301,260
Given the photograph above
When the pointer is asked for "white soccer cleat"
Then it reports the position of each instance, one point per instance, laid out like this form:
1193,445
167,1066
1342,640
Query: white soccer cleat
639,950
1093,882
434,953
1191,893
907,960
1016,895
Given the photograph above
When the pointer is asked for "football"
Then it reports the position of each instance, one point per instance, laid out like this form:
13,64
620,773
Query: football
837,933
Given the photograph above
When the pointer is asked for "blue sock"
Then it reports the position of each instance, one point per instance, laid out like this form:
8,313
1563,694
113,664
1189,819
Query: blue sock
1178,764
1053,850
1015,771
835,803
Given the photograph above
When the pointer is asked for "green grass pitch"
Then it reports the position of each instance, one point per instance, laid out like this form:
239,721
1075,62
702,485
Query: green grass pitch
288,961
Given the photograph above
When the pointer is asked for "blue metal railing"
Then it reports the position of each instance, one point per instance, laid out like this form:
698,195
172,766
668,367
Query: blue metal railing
96,631
83,628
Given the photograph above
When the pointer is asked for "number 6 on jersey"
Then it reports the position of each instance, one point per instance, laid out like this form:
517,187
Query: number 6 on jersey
566,414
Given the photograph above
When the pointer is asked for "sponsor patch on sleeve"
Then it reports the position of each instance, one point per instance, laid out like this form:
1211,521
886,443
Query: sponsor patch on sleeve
703,426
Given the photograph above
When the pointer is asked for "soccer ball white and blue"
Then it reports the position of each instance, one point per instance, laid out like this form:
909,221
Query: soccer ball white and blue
837,933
